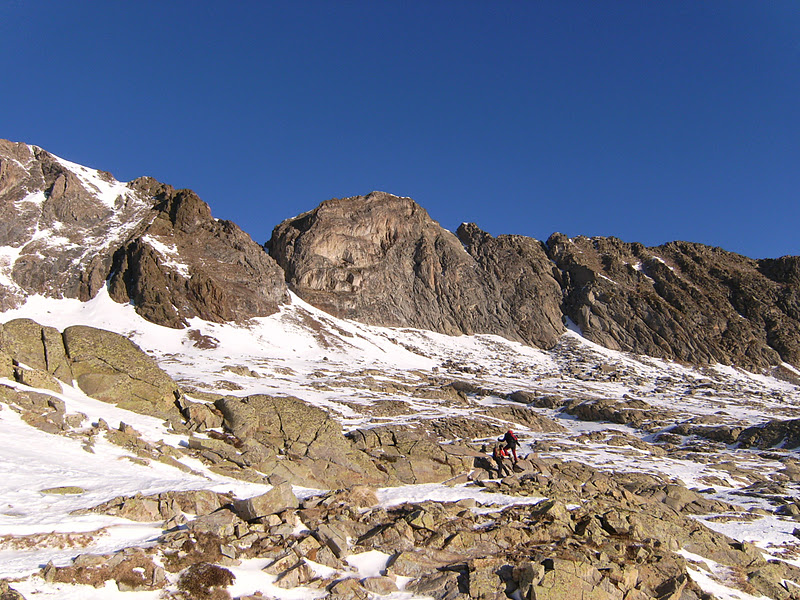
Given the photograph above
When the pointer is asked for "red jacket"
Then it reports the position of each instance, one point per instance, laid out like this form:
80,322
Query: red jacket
499,452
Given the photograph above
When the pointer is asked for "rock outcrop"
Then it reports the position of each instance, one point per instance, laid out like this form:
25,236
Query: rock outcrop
289,440
681,301
185,264
62,222
520,282
68,229
382,260
105,365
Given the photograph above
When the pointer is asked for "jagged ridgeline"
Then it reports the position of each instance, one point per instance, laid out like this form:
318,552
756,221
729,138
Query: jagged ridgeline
382,260
632,472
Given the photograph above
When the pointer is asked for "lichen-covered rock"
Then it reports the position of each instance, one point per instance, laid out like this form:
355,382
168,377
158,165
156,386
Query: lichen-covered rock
22,340
6,365
278,499
37,378
110,367
411,454
316,453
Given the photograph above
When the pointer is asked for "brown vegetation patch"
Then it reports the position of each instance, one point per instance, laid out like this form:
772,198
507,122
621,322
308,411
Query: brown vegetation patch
197,548
132,569
204,580
50,540
199,340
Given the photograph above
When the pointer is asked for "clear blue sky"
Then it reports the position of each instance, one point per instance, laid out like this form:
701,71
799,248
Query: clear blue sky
648,121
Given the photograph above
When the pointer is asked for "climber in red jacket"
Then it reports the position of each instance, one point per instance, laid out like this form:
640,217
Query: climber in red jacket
511,442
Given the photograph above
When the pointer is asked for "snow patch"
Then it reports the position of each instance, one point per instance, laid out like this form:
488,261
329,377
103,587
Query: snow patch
106,189
170,253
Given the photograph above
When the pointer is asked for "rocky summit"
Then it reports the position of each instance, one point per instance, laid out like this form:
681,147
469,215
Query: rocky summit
163,442
70,231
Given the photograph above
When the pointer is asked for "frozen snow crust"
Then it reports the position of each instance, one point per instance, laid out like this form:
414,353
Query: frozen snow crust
612,495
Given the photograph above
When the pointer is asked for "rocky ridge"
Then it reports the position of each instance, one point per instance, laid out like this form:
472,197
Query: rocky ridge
69,230
382,260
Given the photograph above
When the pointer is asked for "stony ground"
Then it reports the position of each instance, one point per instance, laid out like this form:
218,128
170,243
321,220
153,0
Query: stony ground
637,478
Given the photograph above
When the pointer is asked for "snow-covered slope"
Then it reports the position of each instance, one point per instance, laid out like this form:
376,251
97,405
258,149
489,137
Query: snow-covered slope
348,369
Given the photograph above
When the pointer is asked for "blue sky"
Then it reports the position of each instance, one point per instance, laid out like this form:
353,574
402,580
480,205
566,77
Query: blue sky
648,121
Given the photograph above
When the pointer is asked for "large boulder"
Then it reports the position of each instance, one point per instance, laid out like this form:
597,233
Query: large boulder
278,499
314,451
413,454
36,348
110,367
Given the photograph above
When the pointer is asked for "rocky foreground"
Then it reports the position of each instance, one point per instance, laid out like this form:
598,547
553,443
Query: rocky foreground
579,529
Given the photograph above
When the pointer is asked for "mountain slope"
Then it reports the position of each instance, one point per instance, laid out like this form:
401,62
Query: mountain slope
632,475
69,229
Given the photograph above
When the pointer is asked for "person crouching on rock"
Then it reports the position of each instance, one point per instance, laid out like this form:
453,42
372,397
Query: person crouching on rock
511,442
499,453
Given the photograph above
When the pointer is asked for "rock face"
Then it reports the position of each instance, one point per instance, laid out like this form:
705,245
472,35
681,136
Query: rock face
105,365
520,282
67,229
681,301
57,215
381,259
186,264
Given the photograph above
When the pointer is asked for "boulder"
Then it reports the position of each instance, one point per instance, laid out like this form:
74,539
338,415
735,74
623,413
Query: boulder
412,454
110,367
278,499
9,593
316,452
36,378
